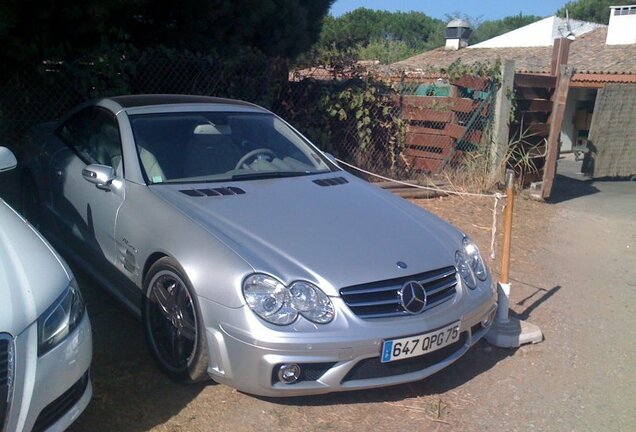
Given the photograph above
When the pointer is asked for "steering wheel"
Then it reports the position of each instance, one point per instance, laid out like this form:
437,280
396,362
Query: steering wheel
252,155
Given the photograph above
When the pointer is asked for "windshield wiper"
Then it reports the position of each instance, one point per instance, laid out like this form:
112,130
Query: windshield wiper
268,174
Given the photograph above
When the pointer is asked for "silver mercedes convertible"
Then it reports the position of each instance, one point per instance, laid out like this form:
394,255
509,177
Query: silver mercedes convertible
248,254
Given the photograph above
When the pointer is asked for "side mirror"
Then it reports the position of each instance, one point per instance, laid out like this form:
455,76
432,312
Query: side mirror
7,159
100,175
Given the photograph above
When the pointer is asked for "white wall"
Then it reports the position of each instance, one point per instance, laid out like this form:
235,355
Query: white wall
540,33
622,27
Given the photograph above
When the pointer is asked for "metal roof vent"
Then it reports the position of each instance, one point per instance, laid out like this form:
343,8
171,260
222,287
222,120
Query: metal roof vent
457,33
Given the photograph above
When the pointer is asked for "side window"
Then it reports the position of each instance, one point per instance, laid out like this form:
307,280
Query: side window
75,133
93,135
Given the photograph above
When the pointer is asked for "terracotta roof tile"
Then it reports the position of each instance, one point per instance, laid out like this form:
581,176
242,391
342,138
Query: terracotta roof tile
588,54
528,59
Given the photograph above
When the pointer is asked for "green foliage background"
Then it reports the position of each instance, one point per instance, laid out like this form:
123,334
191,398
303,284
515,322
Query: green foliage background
591,10
36,30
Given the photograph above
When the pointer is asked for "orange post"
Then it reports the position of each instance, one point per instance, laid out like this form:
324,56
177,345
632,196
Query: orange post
507,228
507,331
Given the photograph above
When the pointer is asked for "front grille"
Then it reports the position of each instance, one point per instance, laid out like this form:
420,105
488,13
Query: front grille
60,406
382,299
373,368
7,363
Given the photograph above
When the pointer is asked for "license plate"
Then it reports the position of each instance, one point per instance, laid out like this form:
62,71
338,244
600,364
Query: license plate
413,346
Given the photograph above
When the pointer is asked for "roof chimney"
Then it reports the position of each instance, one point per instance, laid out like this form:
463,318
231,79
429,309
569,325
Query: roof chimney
457,33
622,25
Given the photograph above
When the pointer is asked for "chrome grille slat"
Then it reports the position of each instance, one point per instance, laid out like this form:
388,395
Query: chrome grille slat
7,363
395,288
438,277
373,303
382,299
442,288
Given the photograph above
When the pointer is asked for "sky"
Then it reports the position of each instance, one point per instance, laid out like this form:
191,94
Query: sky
482,9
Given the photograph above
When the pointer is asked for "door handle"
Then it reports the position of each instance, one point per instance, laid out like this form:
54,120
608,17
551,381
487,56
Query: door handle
58,171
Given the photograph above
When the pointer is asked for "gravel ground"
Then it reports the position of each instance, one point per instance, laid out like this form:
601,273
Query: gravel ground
573,274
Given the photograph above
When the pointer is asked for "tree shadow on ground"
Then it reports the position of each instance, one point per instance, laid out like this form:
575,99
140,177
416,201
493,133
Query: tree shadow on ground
479,359
566,188
130,393
545,296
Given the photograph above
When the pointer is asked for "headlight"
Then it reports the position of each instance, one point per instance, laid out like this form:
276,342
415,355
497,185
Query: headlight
278,304
311,302
59,320
470,264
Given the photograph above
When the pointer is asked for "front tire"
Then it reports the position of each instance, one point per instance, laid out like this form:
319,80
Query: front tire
172,323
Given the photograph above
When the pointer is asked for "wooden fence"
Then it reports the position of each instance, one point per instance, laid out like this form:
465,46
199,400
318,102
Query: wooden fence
440,128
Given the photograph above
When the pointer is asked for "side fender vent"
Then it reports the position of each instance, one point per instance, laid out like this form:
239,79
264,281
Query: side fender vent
222,191
331,181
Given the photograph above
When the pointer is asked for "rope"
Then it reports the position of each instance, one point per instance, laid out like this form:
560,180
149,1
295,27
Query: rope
431,188
497,196
493,230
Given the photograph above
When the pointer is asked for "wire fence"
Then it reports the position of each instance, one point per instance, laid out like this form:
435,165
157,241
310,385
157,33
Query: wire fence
390,125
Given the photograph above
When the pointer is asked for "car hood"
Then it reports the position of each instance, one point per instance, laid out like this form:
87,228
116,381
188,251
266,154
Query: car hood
32,275
334,235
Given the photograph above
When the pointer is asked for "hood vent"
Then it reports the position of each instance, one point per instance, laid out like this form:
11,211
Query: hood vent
331,181
213,191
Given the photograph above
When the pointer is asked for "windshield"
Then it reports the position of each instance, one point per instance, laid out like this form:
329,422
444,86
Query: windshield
220,146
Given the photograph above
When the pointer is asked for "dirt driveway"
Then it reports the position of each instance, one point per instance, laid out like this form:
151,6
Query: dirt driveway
574,274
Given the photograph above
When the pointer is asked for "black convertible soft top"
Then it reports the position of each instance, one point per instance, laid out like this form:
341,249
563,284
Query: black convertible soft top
132,101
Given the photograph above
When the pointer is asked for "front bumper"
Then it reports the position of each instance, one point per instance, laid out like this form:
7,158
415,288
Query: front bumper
343,355
50,391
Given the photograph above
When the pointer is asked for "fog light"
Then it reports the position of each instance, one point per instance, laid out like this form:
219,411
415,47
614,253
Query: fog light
289,373
488,320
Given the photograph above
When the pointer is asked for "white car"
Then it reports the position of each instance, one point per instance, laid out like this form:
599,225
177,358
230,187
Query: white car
45,335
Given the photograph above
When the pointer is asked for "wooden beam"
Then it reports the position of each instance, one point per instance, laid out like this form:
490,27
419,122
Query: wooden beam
455,131
430,165
425,140
556,123
540,129
533,117
534,105
419,129
441,103
560,54
532,80
532,93
418,114
587,84
471,81
437,103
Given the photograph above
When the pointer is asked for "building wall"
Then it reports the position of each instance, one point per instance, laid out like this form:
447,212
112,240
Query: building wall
612,133
622,25
539,33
